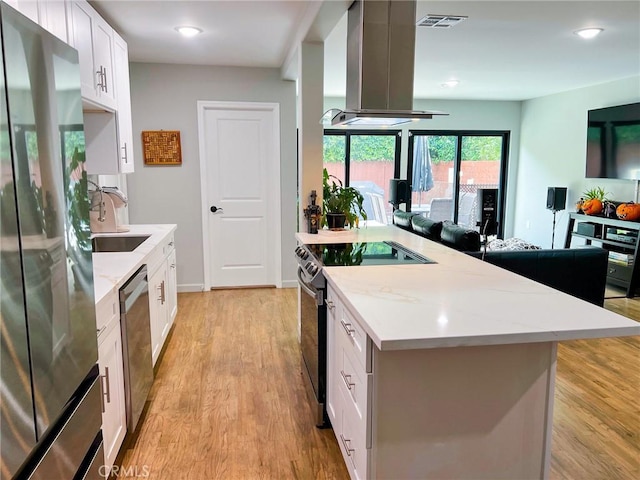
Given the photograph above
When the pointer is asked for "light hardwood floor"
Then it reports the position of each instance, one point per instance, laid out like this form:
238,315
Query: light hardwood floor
228,400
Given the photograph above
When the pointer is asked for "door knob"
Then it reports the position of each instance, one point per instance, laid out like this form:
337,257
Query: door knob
215,209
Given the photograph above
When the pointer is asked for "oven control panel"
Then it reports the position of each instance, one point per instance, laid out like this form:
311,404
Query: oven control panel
309,267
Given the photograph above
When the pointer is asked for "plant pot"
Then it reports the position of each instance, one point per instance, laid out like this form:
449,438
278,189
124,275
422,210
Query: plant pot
336,221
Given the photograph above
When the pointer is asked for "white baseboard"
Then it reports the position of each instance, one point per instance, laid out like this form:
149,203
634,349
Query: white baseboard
199,287
190,287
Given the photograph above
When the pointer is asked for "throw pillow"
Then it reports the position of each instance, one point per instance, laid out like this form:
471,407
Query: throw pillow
511,244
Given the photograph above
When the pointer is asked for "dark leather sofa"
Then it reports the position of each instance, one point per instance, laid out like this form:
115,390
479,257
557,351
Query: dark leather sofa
447,233
581,272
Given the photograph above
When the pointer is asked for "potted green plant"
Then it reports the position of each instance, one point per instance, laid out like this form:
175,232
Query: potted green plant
340,205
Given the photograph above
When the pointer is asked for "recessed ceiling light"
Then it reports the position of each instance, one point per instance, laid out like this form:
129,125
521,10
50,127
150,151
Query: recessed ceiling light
588,32
450,83
189,31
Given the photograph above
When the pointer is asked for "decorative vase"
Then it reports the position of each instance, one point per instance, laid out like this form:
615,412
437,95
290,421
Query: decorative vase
336,221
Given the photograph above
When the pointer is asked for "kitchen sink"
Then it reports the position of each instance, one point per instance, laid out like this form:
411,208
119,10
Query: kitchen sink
117,244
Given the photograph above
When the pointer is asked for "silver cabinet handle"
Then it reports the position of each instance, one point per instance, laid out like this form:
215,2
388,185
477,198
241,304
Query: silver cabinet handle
163,292
102,394
104,74
106,390
126,156
100,84
106,375
330,304
346,444
347,380
159,288
347,328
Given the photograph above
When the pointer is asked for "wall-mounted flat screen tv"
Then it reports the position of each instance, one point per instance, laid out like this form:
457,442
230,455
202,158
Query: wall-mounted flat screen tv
613,142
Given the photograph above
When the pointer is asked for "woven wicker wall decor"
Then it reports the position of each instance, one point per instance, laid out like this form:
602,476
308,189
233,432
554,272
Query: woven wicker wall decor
161,147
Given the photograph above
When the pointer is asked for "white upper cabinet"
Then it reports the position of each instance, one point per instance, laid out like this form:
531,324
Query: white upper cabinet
123,93
53,17
93,38
49,14
29,8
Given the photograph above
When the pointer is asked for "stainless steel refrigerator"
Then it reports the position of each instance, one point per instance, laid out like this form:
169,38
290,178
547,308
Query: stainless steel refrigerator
50,410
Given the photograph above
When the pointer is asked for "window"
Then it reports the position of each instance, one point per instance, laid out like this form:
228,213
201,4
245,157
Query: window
448,168
366,160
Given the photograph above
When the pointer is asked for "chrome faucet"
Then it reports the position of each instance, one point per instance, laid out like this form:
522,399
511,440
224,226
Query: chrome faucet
100,205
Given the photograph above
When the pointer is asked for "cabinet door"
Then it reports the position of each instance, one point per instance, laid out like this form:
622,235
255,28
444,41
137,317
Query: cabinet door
29,8
123,95
82,41
103,61
53,17
157,310
333,406
172,288
114,415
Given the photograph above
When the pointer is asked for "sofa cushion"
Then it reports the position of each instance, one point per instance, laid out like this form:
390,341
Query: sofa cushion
403,219
426,227
459,238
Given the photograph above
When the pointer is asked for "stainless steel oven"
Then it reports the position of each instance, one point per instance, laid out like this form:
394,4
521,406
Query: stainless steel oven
313,340
312,259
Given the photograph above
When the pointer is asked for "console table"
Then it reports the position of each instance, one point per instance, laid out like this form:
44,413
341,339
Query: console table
626,276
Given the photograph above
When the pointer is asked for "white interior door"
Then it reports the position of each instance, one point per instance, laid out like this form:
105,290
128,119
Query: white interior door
240,158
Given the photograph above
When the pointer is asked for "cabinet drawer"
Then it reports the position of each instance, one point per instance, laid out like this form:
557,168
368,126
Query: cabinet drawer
106,311
169,245
619,272
334,306
352,444
159,254
356,386
349,330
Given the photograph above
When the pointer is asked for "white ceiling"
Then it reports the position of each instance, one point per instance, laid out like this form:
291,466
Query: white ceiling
507,50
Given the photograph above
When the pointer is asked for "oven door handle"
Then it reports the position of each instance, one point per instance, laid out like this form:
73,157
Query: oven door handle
317,294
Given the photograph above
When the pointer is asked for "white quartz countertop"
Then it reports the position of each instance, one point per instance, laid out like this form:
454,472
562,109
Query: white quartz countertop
112,270
458,301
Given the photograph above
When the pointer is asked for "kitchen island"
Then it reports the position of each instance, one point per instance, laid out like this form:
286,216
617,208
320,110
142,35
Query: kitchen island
446,370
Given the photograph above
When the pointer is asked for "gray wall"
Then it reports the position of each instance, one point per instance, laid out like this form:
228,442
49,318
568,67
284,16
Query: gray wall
553,142
467,115
164,97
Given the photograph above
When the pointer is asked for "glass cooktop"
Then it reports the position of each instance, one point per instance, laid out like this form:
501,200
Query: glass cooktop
365,253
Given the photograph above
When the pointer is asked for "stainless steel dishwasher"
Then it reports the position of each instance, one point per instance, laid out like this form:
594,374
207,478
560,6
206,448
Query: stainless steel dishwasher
136,344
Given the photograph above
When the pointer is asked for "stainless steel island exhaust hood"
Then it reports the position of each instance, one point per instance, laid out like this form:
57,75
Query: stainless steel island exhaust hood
381,40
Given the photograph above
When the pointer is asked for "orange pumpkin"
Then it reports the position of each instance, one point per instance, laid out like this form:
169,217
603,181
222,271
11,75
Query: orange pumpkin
628,211
592,206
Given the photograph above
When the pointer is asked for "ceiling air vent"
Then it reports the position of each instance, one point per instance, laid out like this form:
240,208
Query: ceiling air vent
440,21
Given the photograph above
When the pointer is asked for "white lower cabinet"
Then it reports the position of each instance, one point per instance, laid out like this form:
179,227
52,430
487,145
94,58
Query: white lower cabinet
163,296
172,286
349,386
158,309
114,414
